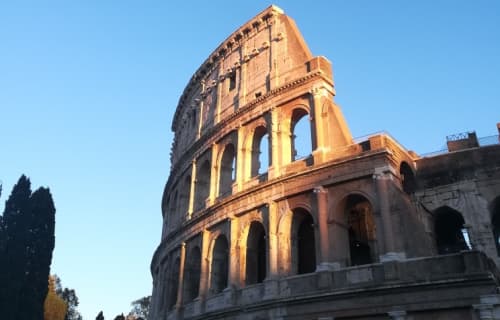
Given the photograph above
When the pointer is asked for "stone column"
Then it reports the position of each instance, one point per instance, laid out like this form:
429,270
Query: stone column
277,152
242,91
322,215
181,276
214,176
320,132
219,91
205,265
271,285
192,189
242,160
272,266
397,314
200,122
234,266
382,176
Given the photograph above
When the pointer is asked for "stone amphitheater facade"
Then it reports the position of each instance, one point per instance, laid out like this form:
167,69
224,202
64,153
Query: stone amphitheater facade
273,211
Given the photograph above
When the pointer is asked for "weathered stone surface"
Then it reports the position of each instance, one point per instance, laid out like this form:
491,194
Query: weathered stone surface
348,229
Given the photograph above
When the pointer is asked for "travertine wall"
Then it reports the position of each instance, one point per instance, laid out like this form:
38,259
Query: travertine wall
316,237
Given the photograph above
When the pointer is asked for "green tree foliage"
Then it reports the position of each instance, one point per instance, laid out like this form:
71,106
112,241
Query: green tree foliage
120,317
100,316
140,307
54,307
26,245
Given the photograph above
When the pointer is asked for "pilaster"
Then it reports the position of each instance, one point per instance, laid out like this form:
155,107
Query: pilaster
180,289
382,177
192,189
321,195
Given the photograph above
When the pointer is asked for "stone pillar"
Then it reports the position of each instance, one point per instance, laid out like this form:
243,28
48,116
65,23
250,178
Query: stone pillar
192,189
181,276
320,132
272,265
234,266
382,176
242,160
205,266
271,283
214,176
219,92
397,314
275,133
200,122
242,91
322,215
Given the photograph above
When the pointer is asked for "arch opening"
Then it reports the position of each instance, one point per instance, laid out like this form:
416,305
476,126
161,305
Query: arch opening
202,186
227,170
260,151
450,231
256,256
220,265
192,275
304,241
173,284
495,222
184,195
408,182
301,134
361,229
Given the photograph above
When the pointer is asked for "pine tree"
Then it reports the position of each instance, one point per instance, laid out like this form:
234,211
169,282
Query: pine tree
99,316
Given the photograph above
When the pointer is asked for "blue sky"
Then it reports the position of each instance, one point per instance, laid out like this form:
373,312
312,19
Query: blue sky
88,90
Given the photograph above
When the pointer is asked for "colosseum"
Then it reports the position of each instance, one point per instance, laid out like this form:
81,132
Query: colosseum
272,210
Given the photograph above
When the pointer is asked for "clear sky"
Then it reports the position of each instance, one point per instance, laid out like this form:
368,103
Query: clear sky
88,90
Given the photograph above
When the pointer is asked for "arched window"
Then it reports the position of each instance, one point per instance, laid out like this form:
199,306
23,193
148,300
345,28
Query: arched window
449,231
227,170
407,178
301,134
260,151
173,214
173,203
173,284
220,265
184,195
202,188
256,254
361,228
192,275
303,241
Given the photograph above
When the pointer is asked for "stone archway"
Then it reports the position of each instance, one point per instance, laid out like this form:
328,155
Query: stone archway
449,230
256,256
220,265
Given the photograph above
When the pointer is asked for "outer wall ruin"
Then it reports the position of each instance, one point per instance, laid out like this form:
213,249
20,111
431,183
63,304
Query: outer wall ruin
257,226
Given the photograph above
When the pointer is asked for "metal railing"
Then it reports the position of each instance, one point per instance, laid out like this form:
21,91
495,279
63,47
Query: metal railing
483,141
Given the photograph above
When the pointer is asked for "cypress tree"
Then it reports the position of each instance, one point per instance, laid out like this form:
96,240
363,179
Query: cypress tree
13,258
26,245
39,255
